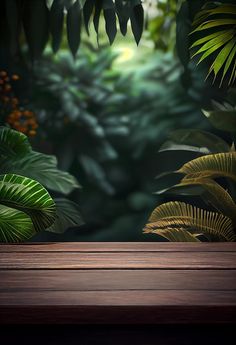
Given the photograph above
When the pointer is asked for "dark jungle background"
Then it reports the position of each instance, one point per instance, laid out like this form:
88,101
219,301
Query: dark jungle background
106,111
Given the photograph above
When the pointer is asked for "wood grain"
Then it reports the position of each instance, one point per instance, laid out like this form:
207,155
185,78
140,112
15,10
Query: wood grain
118,247
123,283
105,280
138,260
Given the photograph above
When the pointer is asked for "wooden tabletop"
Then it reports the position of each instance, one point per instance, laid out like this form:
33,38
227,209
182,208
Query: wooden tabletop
118,283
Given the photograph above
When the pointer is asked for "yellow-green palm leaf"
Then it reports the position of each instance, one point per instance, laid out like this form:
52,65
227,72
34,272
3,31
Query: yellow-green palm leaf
179,215
218,28
211,166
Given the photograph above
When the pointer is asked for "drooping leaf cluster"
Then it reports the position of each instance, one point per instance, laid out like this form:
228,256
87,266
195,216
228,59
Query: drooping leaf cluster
42,21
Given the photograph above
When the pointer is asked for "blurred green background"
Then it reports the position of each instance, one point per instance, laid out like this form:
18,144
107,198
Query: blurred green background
106,112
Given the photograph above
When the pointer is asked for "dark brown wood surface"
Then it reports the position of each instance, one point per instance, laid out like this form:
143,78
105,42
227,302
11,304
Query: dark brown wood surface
118,283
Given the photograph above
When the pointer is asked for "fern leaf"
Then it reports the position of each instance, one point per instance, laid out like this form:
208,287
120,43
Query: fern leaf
211,166
179,215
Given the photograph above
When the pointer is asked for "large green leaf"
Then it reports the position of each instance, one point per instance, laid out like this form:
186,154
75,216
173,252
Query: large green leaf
15,226
13,143
195,140
42,168
223,119
67,216
30,197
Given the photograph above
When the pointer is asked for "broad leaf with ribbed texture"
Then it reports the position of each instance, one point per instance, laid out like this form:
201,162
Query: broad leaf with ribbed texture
30,197
13,143
42,168
15,226
179,215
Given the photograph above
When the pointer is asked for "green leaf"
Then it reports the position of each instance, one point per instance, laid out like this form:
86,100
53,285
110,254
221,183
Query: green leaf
42,168
36,26
215,23
97,13
56,18
13,143
67,216
87,12
223,120
30,197
208,38
74,16
137,21
110,19
195,140
123,11
222,57
215,43
15,226
228,64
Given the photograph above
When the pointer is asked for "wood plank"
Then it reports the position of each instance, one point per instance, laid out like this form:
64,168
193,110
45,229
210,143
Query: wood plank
105,280
119,298
145,260
117,315
118,307
119,247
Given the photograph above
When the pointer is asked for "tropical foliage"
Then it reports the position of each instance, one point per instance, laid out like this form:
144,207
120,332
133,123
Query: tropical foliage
215,26
211,177
42,18
26,207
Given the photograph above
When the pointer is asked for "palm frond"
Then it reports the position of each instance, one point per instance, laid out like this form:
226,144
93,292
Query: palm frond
221,21
210,192
211,166
174,234
179,215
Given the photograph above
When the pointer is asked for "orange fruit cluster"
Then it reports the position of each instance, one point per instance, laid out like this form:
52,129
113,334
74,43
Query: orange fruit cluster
18,118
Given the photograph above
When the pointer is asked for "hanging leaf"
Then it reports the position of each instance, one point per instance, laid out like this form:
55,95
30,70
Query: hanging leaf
74,26
56,23
13,25
30,197
123,12
110,19
15,226
97,14
87,12
137,21
36,26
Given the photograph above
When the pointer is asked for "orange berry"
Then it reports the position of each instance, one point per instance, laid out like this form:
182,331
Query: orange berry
3,74
32,133
7,87
15,77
